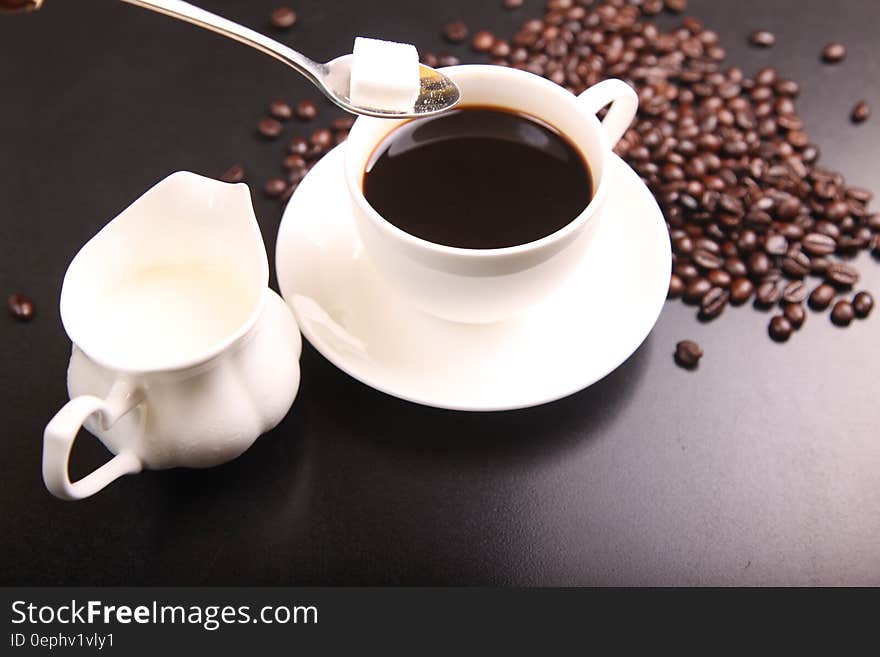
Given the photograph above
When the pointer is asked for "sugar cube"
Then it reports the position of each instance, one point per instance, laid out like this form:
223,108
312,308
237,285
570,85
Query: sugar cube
384,75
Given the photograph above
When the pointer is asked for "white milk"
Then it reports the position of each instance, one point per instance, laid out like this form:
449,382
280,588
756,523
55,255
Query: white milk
171,313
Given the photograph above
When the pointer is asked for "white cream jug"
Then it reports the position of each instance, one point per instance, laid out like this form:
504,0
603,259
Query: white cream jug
182,355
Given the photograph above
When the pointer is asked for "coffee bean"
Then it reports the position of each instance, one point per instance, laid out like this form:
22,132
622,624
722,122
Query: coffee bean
512,4
706,260
274,187
780,328
296,174
862,304
686,271
322,138
759,264
795,292
294,162
21,307
280,110
684,245
455,32
676,6
672,172
859,194
735,267
822,296
233,174
762,38
747,241
860,112
483,41
298,146
818,266
741,290
731,204
841,275
819,244
445,59
837,211
795,314
676,287
306,110
502,49
766,76
834,52
713,302
788,88
696,290
342,123
796,264
792,232
688,354
728,249
775,244
269,128
842,313
316,151
788,208
768,294
848,244
719,278
283,18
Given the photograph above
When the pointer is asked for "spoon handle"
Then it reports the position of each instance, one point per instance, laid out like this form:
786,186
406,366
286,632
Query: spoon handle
192,14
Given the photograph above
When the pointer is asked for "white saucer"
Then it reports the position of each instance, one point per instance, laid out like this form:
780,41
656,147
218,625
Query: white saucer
573,339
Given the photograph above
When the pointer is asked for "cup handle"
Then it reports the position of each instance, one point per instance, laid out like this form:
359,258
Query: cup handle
62,430
624,103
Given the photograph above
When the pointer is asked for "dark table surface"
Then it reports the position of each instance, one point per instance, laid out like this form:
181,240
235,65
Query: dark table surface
761,468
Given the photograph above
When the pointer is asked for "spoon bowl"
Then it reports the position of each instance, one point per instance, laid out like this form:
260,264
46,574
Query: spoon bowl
437,92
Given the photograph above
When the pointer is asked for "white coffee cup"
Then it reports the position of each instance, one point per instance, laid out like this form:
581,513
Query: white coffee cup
160,391
487,285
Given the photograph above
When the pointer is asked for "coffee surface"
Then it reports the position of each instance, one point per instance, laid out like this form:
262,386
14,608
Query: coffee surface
478,178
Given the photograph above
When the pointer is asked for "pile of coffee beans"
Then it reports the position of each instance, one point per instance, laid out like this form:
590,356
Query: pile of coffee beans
752,216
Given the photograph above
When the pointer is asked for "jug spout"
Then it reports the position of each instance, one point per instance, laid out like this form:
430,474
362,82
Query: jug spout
189,240
184,219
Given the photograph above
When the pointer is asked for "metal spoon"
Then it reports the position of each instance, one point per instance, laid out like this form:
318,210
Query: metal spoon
438,92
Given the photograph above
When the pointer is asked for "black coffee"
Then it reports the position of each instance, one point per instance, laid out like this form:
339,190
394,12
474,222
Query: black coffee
478,178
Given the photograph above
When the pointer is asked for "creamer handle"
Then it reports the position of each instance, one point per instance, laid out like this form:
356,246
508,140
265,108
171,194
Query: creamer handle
61,433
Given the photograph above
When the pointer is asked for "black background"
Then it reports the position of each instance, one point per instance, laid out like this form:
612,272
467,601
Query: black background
761,468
